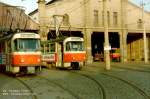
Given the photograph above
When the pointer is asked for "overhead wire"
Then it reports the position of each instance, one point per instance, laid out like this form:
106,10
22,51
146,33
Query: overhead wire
75,8
130,10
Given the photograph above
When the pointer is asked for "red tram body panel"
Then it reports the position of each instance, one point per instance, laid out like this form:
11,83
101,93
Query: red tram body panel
74,57
26,59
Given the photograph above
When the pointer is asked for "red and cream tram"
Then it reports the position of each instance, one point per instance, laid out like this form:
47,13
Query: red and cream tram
20,52
67,53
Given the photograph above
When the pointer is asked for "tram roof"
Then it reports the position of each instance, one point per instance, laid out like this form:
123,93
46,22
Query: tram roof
61,39
9,35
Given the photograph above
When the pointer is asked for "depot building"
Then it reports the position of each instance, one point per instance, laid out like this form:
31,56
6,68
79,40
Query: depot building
85,18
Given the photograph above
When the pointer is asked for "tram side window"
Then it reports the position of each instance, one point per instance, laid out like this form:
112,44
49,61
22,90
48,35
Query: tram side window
9,46
48,48
68,46
52,47
1,47
15,45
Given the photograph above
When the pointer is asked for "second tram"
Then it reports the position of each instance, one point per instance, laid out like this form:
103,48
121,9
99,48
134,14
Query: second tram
66,53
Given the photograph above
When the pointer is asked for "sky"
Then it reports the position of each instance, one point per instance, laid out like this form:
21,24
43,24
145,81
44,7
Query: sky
28,5
31,5
146,3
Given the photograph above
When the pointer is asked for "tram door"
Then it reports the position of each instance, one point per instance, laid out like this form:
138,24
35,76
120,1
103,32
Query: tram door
59,51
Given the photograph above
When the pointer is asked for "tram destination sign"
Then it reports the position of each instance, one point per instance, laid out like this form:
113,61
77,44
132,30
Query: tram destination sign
27,35
48,57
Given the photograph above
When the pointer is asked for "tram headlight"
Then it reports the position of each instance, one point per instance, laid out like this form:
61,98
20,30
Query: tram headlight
38,59
22,60
73,58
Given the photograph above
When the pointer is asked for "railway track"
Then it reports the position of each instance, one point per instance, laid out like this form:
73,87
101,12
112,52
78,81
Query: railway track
34,96
49,83
140,91
132,69
135,87
101,88
60,86
135,68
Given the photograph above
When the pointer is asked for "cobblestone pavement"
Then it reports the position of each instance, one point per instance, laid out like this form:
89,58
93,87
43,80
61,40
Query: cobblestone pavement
123,81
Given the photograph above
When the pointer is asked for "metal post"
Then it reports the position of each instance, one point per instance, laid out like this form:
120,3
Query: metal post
56,43
106,36
56,26
144,36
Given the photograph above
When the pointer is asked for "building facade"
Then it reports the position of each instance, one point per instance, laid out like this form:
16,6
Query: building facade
126,23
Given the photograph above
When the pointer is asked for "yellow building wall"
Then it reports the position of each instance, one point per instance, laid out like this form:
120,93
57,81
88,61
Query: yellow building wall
135,50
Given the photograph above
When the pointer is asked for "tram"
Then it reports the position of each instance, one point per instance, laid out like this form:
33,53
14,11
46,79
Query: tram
66,53
20,52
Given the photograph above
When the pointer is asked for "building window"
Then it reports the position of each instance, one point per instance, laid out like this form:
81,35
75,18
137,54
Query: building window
140,23
115,18
66,19
96,20
102,18
108,18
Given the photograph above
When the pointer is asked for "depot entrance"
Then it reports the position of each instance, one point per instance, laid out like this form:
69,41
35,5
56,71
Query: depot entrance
98,44
52,34
135,46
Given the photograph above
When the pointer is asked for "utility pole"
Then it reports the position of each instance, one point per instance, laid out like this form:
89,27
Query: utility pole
57,22
144,35
106,36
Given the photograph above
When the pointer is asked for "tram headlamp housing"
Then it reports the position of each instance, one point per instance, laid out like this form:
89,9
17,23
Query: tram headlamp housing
38,59
22,60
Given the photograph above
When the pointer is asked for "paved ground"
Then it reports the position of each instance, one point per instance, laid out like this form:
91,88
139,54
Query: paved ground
123,81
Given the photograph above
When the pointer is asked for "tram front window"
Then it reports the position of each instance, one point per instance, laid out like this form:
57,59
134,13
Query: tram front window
74,46
26,44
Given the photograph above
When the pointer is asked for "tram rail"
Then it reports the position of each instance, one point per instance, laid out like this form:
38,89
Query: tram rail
140,91
49,82
132,69
135,87
60,86
34,96
101,88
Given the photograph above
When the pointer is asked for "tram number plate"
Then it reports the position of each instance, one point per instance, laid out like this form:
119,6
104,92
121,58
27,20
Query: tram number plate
48,57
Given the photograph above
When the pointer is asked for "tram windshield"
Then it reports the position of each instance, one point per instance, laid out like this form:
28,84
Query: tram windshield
26,44
74,46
